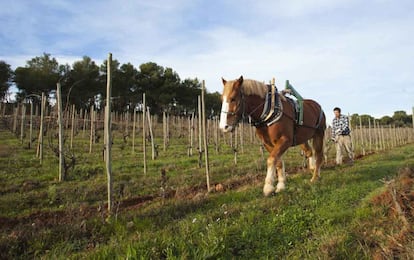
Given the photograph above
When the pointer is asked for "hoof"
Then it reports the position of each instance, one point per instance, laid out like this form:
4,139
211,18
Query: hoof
313,180
268,190
280,186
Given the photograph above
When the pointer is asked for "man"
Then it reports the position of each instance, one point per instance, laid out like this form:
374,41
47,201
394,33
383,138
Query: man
341,137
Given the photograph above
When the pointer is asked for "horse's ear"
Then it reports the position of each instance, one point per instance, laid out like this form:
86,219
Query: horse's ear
240,80
224,81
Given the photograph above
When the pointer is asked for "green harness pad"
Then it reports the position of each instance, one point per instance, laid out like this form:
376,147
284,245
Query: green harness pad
291,90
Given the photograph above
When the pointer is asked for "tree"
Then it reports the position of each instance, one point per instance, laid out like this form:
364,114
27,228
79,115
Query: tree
127,80
187,94
354,120
168,93
39,75
124,85
213,103
401,118
365,120
386,120
6,77
83,84
159,84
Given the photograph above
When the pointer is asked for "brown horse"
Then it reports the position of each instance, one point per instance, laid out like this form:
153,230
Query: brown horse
279,129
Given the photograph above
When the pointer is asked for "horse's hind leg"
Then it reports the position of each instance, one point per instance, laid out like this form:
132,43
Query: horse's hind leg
281,176
318,148
309,154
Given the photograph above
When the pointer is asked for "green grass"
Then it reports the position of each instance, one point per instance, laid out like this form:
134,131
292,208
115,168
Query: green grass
60,220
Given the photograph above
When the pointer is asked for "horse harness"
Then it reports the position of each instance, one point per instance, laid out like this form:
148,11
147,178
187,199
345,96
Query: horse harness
273,112
272,108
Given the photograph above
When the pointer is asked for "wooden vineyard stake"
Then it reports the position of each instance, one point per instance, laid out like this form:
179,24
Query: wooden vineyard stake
200,149
164,130
144,148
241,137
15,115
369,135
361,136
91,140
134,114
60,123
72,131
42,115
85,118
192,134
190,138
235,145
151,135
216,135
205,136
23,117
31,125
108,139
127,123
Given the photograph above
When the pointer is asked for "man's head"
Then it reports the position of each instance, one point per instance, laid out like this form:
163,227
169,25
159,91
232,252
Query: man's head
337,112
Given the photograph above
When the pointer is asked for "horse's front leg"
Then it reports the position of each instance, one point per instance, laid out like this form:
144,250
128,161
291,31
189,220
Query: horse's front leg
269,187
275,165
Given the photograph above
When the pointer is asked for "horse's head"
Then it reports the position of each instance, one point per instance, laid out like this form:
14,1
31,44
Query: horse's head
231,109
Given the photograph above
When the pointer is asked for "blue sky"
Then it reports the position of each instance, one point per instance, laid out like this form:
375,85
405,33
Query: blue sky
358,55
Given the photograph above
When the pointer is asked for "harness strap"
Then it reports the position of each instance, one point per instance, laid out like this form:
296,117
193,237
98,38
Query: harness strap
272,109
266,106
272,106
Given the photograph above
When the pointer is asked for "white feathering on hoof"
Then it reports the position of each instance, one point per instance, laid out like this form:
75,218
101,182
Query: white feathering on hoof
312,163
268,189
281,178
280,186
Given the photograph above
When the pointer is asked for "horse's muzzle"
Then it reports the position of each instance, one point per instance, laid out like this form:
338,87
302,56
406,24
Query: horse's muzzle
228,128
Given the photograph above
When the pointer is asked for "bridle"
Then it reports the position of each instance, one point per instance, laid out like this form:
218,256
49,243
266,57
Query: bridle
236,112
242,105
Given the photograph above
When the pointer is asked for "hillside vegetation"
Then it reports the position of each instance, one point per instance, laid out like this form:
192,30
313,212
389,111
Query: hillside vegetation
361,211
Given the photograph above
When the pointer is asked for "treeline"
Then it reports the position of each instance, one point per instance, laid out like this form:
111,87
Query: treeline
83,84
399,119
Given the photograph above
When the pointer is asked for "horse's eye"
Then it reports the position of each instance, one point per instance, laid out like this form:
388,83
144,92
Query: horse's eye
232,100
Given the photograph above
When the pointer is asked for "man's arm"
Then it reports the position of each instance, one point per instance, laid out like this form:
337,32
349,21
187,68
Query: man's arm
345,125
333,131
345,122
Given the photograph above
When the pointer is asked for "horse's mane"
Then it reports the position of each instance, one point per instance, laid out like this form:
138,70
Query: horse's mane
254,87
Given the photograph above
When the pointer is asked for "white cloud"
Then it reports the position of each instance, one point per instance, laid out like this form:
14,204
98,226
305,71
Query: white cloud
340,52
